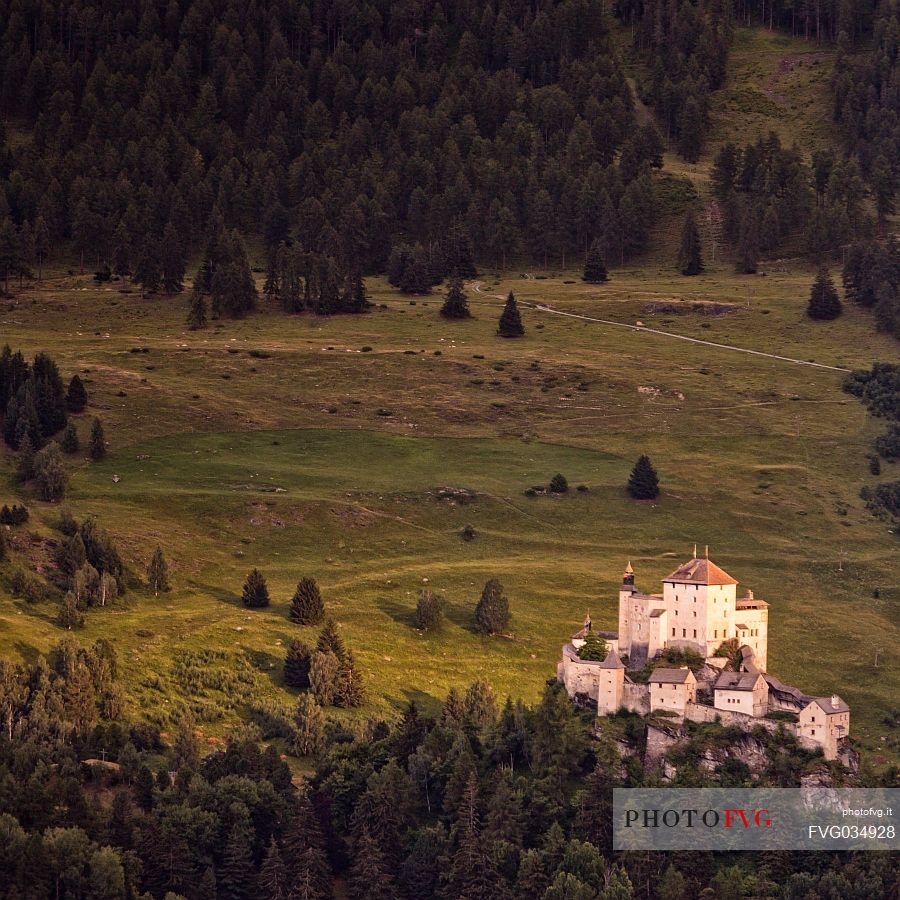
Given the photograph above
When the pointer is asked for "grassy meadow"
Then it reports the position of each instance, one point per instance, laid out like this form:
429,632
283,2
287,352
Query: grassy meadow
354,449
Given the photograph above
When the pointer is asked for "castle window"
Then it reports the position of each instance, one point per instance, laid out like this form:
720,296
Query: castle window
673,632
715,632
695,632
695,613
684,632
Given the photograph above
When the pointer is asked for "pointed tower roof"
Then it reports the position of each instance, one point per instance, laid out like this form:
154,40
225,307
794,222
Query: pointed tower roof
628,569
700,571
612,661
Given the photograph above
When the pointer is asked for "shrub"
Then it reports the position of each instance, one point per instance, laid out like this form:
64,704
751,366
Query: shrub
429,611
15,515
297,664
50,473
467,533
594,648
559,484
324,675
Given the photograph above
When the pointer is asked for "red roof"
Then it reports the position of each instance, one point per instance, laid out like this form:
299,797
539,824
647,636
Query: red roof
700,571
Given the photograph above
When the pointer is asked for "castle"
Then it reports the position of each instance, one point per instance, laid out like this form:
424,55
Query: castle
698,610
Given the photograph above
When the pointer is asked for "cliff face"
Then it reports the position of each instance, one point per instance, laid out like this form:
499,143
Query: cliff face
710,753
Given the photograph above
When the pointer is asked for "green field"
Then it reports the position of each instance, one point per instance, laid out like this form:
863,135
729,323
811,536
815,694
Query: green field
325,447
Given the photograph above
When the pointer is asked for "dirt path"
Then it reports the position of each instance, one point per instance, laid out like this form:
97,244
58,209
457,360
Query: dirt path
542,307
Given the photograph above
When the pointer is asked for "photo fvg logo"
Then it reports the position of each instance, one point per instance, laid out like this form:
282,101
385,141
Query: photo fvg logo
698,818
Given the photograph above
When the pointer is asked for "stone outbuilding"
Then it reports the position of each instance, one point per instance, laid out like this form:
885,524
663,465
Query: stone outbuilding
672,689
824,721
743,692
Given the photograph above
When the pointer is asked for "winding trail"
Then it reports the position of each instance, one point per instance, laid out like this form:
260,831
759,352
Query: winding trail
543,307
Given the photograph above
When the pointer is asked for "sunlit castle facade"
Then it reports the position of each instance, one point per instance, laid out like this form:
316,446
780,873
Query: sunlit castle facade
698,609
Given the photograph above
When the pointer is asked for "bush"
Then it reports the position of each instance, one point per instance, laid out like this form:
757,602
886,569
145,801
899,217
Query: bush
429,611
50,473
15,515
559,484
467,533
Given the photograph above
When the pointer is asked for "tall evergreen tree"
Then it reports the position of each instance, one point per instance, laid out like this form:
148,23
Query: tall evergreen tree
97,443
297,663
309,726
197,315
307,607
351,691
510,321
643,483
76,395
690,261
748,242
256,593
370,878
456,306
594,265
158,572
492,611
824,303
330,640
236,874
273,880
172,261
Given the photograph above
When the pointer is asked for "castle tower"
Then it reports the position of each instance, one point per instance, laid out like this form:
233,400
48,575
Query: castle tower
610,684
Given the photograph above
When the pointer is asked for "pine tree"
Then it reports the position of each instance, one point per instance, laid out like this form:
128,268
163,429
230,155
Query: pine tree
492,611
690,261
307,607
748,242
429,610
370,878
2,544
256,592
324,675
25,462
594,265
453,712
456,306
480,705
148,271
197,317
235,876
158,572
70,616
272,879
76,395
206,890
510,321
297,663
309,726
97,444
172,261
330,640
303,851
351,690
41,243
643,483
594,648
824,303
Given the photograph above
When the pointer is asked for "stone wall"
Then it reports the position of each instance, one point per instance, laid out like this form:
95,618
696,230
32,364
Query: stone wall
636,698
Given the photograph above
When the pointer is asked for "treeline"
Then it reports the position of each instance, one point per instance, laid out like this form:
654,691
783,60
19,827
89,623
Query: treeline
34,402
479,802
685,46
346,127
766,192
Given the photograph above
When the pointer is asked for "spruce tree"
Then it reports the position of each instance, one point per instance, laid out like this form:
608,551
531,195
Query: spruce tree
76,395
330,640
69,442
297,663
351,690
25,462
370,877
70,616
492,611
197,315
235,876
324,676
510,321
594,265
429,610
307,607
824,303
309,726
456,306
158,573
690,261
643,483
748,242
272,881
2,544
256,593
172,261
97,444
